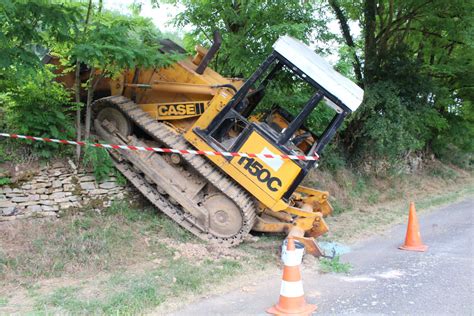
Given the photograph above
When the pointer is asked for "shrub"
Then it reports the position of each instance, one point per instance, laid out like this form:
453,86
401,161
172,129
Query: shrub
332,158
39,108
99,160
455,145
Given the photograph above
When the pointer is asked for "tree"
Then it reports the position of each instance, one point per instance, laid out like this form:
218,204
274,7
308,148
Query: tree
249,28
409,62
83,35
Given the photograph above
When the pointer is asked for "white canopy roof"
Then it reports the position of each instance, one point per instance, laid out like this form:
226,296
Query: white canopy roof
320,71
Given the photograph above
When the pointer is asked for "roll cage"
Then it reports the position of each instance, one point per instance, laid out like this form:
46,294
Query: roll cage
245,100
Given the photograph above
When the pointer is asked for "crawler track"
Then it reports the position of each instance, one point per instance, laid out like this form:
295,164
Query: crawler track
197,165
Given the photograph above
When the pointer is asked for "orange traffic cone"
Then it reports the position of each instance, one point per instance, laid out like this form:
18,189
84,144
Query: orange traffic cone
292,300
413,238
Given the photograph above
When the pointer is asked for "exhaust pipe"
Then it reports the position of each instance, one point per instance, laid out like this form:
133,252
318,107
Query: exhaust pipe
217,41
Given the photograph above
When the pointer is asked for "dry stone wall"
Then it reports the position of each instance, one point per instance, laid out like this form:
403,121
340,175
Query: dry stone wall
57,187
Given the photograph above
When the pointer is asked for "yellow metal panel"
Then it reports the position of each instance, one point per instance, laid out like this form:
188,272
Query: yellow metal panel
271,175
221,98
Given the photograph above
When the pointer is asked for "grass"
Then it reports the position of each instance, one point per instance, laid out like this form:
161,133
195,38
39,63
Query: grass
125,293
442,171
84,241
115,262
153,221
445,197
71,245
350,189
334,265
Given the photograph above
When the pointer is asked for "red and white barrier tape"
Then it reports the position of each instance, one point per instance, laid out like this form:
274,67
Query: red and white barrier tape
162,150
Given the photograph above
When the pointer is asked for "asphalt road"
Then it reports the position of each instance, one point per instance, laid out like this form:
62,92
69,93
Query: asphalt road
384,280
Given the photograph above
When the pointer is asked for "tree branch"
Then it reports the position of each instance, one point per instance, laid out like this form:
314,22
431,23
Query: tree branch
399,21
426,32
345,30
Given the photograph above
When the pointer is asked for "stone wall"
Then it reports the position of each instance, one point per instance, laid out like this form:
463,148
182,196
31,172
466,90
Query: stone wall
54,188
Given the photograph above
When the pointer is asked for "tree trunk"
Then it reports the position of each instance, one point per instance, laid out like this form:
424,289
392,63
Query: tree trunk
346,33
77,92
90,95
77,88
353,131
87,132
370,11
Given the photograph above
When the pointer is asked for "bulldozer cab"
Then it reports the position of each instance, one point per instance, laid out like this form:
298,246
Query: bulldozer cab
242,126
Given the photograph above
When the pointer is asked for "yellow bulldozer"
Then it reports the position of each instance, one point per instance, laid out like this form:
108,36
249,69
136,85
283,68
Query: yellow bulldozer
188,105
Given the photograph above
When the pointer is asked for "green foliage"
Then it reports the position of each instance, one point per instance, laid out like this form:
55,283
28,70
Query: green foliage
386,129
417,70
26,25
333,158
3,154
396,116
106,42
345,62
415,77
114,42
248,28
99,160
39,107
5,180
416,64
109,43
334,265
30,103
456,145
450,153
